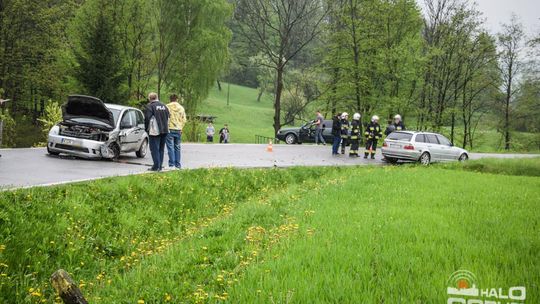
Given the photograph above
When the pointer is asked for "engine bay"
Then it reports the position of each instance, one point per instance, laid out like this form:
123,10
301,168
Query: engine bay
84,132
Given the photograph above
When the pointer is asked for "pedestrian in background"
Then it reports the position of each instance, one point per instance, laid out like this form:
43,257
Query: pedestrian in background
336,132
156,122
319,128
177,121
224,135
210,131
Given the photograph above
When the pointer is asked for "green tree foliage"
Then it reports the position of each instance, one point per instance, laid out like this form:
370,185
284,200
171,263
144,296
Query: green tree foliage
373,52
51,116
190,45
100,69
8,130
32,35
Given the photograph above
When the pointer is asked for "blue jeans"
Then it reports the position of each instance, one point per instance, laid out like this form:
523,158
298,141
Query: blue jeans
336,143
174,139
319,137
157,149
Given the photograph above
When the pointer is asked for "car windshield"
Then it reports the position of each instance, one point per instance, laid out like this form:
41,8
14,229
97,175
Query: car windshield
116,114
400,136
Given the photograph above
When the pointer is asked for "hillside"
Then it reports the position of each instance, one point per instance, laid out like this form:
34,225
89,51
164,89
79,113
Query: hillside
246,117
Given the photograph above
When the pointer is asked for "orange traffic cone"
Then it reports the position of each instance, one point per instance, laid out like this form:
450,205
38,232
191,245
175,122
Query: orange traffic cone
269,148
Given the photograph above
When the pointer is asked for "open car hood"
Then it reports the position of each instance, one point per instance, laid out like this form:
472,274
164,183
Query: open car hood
80,106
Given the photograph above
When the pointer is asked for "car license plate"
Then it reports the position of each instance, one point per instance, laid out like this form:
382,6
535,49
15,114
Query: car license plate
67,141
395,146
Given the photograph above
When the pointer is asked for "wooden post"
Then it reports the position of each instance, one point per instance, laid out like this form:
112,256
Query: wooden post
66,288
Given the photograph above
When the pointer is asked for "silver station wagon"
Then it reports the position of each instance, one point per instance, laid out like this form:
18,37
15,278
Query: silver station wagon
93,129
424,147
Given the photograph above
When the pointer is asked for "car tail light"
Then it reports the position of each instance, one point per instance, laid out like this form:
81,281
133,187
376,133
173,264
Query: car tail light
385,144
409,147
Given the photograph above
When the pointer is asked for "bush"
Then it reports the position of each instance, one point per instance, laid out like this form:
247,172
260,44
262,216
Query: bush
51,116
7,138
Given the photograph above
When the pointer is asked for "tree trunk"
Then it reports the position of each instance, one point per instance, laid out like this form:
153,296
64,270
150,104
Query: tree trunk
259,96
277,100
452,127
507,122
218,85
66,288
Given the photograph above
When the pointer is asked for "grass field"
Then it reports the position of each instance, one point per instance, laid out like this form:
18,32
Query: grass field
300,235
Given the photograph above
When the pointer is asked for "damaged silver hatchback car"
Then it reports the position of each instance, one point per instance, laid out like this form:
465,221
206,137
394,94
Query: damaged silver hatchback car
93,129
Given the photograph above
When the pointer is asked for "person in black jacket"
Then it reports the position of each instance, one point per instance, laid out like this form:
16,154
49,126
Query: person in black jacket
336,132
373,133
355,135
156,122
396,125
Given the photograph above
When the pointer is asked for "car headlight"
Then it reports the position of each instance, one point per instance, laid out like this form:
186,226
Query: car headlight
54,130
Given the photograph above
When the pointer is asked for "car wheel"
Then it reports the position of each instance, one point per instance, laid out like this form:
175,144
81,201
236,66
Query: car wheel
463,157
52,152
143,149
391,160
290,139
425,159
115,148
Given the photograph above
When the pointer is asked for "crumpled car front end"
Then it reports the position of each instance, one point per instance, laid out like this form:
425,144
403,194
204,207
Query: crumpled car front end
87,130
81,141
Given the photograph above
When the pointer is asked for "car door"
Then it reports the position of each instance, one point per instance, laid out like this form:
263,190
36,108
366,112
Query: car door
327,130
434,147
447,150
140,131
305,133
129,131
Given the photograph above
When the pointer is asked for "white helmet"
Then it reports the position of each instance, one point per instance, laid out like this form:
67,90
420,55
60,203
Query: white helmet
344,115
374,118
356,116
397,117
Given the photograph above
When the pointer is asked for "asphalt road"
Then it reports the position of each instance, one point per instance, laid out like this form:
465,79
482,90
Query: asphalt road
34,167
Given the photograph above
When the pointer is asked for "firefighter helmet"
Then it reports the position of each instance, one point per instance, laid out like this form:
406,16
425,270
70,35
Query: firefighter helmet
356,116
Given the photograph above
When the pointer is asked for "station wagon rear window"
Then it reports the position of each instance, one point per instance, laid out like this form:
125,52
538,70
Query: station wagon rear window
400,136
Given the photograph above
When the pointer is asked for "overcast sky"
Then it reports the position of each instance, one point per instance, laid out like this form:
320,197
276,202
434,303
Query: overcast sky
499,11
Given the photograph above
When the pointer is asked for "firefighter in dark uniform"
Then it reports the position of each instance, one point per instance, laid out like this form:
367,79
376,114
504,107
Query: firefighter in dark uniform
345,126
396,125
355,135
373,133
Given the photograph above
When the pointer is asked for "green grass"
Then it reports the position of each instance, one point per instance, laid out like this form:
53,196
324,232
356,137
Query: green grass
300,235
516,166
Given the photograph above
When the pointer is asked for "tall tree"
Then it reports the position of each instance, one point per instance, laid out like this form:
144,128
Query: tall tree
100,63
280,29
372,55
191,45
511,40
